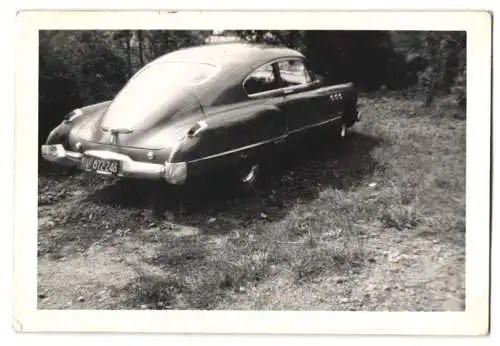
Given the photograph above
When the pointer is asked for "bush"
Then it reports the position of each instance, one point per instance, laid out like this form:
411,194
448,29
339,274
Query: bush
76,68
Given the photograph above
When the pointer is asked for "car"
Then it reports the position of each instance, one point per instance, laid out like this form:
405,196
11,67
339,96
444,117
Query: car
205,110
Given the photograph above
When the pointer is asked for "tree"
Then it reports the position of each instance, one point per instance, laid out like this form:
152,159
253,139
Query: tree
438,59
124,37
164,41
82,67
76,68
140,43
340,56
87,66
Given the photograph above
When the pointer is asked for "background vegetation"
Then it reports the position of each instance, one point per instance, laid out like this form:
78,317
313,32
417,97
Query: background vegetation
373,222
83,67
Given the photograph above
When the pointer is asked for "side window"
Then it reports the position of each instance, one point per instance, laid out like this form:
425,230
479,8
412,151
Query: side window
293,72
261,80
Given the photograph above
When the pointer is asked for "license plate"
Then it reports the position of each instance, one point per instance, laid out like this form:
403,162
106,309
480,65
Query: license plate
98,165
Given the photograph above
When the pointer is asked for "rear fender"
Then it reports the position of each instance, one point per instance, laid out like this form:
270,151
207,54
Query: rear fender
95,107
61,133
235,135
349,100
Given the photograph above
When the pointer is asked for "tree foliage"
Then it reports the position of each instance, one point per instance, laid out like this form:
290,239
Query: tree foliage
82,67
367,58
433,61
77,68
442,61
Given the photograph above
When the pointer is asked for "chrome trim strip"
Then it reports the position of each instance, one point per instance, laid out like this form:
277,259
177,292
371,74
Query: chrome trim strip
117,130
275,140
315,125
278,93
232,151
114,132
281,91
288,90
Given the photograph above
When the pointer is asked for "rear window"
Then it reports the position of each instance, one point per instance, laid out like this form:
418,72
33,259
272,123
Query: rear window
184,73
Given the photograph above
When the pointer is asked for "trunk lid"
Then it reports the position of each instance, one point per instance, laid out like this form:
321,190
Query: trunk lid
156,107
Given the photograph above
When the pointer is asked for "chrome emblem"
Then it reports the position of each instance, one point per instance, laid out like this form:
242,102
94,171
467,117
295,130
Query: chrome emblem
114,133
336,96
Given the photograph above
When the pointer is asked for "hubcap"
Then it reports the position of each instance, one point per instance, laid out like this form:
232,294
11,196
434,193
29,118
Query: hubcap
343,131
358,116
251,175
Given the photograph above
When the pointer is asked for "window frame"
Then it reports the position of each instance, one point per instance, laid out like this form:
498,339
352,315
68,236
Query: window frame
305,71
277,74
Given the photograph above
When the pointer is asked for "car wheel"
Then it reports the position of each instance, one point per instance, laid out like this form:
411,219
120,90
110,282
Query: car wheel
342,131
359,114
167,197
159,201
249,175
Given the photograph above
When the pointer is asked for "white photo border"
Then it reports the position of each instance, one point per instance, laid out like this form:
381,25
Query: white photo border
473,321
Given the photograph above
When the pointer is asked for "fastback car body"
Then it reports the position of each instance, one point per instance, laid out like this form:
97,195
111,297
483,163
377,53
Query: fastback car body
203,110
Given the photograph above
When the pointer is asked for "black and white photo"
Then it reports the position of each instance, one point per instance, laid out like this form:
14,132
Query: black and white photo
195,168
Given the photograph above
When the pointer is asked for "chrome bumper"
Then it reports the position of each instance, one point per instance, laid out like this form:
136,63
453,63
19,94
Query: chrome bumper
129,168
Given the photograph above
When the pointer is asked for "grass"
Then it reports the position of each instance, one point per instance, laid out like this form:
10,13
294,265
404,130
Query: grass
374,223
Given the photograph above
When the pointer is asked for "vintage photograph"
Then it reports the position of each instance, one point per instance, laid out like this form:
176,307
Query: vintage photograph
310,170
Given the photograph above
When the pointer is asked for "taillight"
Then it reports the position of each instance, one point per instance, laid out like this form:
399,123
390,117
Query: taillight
197,129
72,115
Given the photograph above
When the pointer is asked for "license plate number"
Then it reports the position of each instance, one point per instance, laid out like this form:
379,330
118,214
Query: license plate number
102,166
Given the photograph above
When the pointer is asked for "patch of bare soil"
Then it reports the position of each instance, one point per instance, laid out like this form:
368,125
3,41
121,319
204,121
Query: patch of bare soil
376,222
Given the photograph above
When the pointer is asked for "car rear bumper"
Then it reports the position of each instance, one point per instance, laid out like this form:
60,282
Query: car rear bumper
128,168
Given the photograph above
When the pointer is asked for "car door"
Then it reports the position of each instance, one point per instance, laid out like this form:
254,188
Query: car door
264,90
308,107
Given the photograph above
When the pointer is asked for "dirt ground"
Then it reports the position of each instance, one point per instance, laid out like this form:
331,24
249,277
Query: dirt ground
375,222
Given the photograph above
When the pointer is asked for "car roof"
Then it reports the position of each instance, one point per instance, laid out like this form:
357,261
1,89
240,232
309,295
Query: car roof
233,62
226,54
